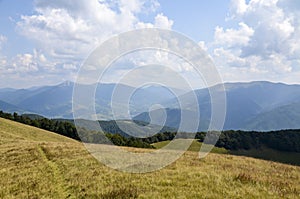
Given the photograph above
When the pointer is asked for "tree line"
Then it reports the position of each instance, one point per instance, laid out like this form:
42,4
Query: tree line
68,129
282,140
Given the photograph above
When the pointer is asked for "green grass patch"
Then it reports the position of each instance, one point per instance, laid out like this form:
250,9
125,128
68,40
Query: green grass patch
195,146
11,131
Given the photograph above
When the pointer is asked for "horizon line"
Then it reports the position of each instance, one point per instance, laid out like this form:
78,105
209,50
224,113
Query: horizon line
226,82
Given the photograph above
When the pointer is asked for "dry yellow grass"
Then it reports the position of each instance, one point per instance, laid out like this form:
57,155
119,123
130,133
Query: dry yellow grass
38,164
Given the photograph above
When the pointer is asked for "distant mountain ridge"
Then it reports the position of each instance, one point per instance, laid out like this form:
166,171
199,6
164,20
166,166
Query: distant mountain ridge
6,107
56,101
257,105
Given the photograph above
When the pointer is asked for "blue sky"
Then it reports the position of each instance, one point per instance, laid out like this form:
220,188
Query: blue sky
45,42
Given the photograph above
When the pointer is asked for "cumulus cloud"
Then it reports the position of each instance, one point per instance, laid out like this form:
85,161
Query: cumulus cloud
267,37
71,29
26,63
152,66
160,21
64,33
234,37
29,69
35,66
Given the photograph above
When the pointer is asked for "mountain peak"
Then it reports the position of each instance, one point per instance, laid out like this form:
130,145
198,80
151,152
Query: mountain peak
66,84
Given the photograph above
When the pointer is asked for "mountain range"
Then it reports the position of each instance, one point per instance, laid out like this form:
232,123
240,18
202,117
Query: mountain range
56,101
261,106
258,105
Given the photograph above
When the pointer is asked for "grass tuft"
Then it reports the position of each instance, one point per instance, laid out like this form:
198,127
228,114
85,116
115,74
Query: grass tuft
244,178
121,193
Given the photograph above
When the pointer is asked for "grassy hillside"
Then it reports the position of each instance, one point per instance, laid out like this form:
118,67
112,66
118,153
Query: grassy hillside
39,164
195,146
12,133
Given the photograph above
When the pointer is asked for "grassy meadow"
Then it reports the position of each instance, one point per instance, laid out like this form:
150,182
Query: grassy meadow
40,164
195,146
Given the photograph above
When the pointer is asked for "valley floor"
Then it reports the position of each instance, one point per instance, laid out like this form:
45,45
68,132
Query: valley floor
39,164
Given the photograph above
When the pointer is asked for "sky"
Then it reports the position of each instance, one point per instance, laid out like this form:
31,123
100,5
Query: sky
45,42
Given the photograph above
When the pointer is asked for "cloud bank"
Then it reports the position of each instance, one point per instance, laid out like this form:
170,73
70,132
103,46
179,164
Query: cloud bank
65,32
259,41
264,45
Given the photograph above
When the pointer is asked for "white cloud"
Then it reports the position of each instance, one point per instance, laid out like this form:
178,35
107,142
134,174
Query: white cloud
31,69
232,37
203,45
150,57
274,28
222,56
134,6
66,32
69,66
266,43
25,63
71,29
35,63
238,7
162,21
62,34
